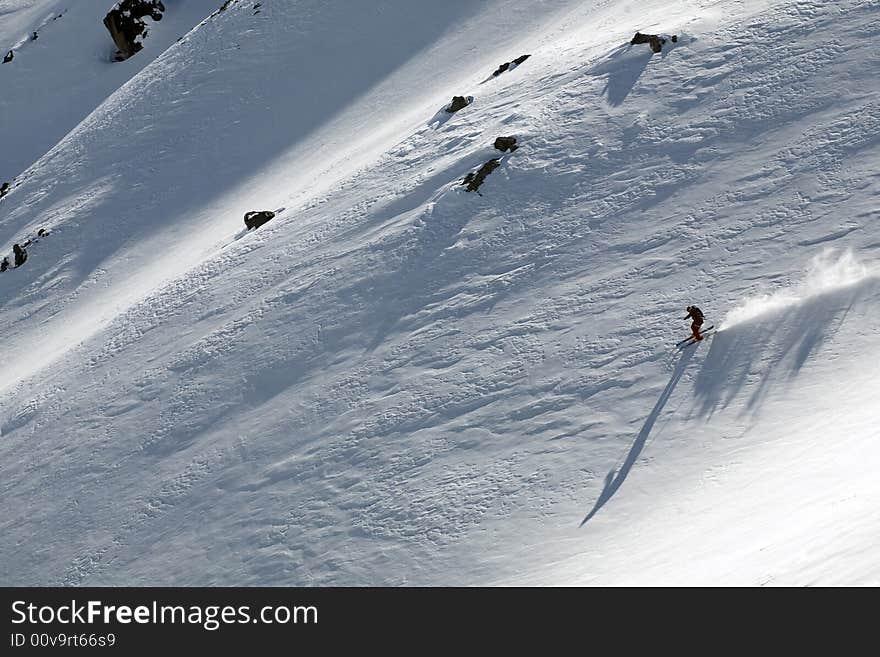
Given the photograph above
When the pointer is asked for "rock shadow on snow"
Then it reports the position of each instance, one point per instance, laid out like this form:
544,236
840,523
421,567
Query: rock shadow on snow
624,65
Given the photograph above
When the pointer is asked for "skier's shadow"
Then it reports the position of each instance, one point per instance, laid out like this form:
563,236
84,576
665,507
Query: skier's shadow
615,479
749,359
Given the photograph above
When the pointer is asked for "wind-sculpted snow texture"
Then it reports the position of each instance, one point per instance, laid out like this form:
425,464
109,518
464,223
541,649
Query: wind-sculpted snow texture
397,382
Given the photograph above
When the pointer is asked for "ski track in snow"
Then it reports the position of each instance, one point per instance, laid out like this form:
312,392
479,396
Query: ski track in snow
398,382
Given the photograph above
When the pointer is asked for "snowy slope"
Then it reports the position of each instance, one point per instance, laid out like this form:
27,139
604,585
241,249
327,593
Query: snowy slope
397,382
55,81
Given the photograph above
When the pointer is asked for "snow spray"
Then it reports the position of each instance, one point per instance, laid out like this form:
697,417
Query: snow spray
830,270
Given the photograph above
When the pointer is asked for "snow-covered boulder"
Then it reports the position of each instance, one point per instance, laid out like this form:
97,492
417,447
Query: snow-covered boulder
125,22
505,144
509,66
256,219
458,102
20,254
656,42
475,178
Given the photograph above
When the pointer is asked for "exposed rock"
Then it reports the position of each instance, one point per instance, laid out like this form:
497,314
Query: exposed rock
458,102
9,57
656,42
475,178
4,265
125,22
653,40
20,255
4,189
505,144
257,218
34,36
223,7
509,65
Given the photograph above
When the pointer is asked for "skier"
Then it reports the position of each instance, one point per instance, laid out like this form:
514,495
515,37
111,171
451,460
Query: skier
697,315
20,255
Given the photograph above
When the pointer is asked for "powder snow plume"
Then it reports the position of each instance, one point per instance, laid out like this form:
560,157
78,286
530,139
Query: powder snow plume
828,271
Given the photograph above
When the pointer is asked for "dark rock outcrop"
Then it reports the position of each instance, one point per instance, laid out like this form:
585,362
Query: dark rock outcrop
656,42
505,144
458,102
257,218
9,57
508,65
226,5
4,189
19,250
475,178
20,255
125,22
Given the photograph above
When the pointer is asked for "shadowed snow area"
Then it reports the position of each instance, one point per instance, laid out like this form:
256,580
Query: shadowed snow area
396,381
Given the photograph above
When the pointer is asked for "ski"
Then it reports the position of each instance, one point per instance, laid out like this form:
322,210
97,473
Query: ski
689,341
